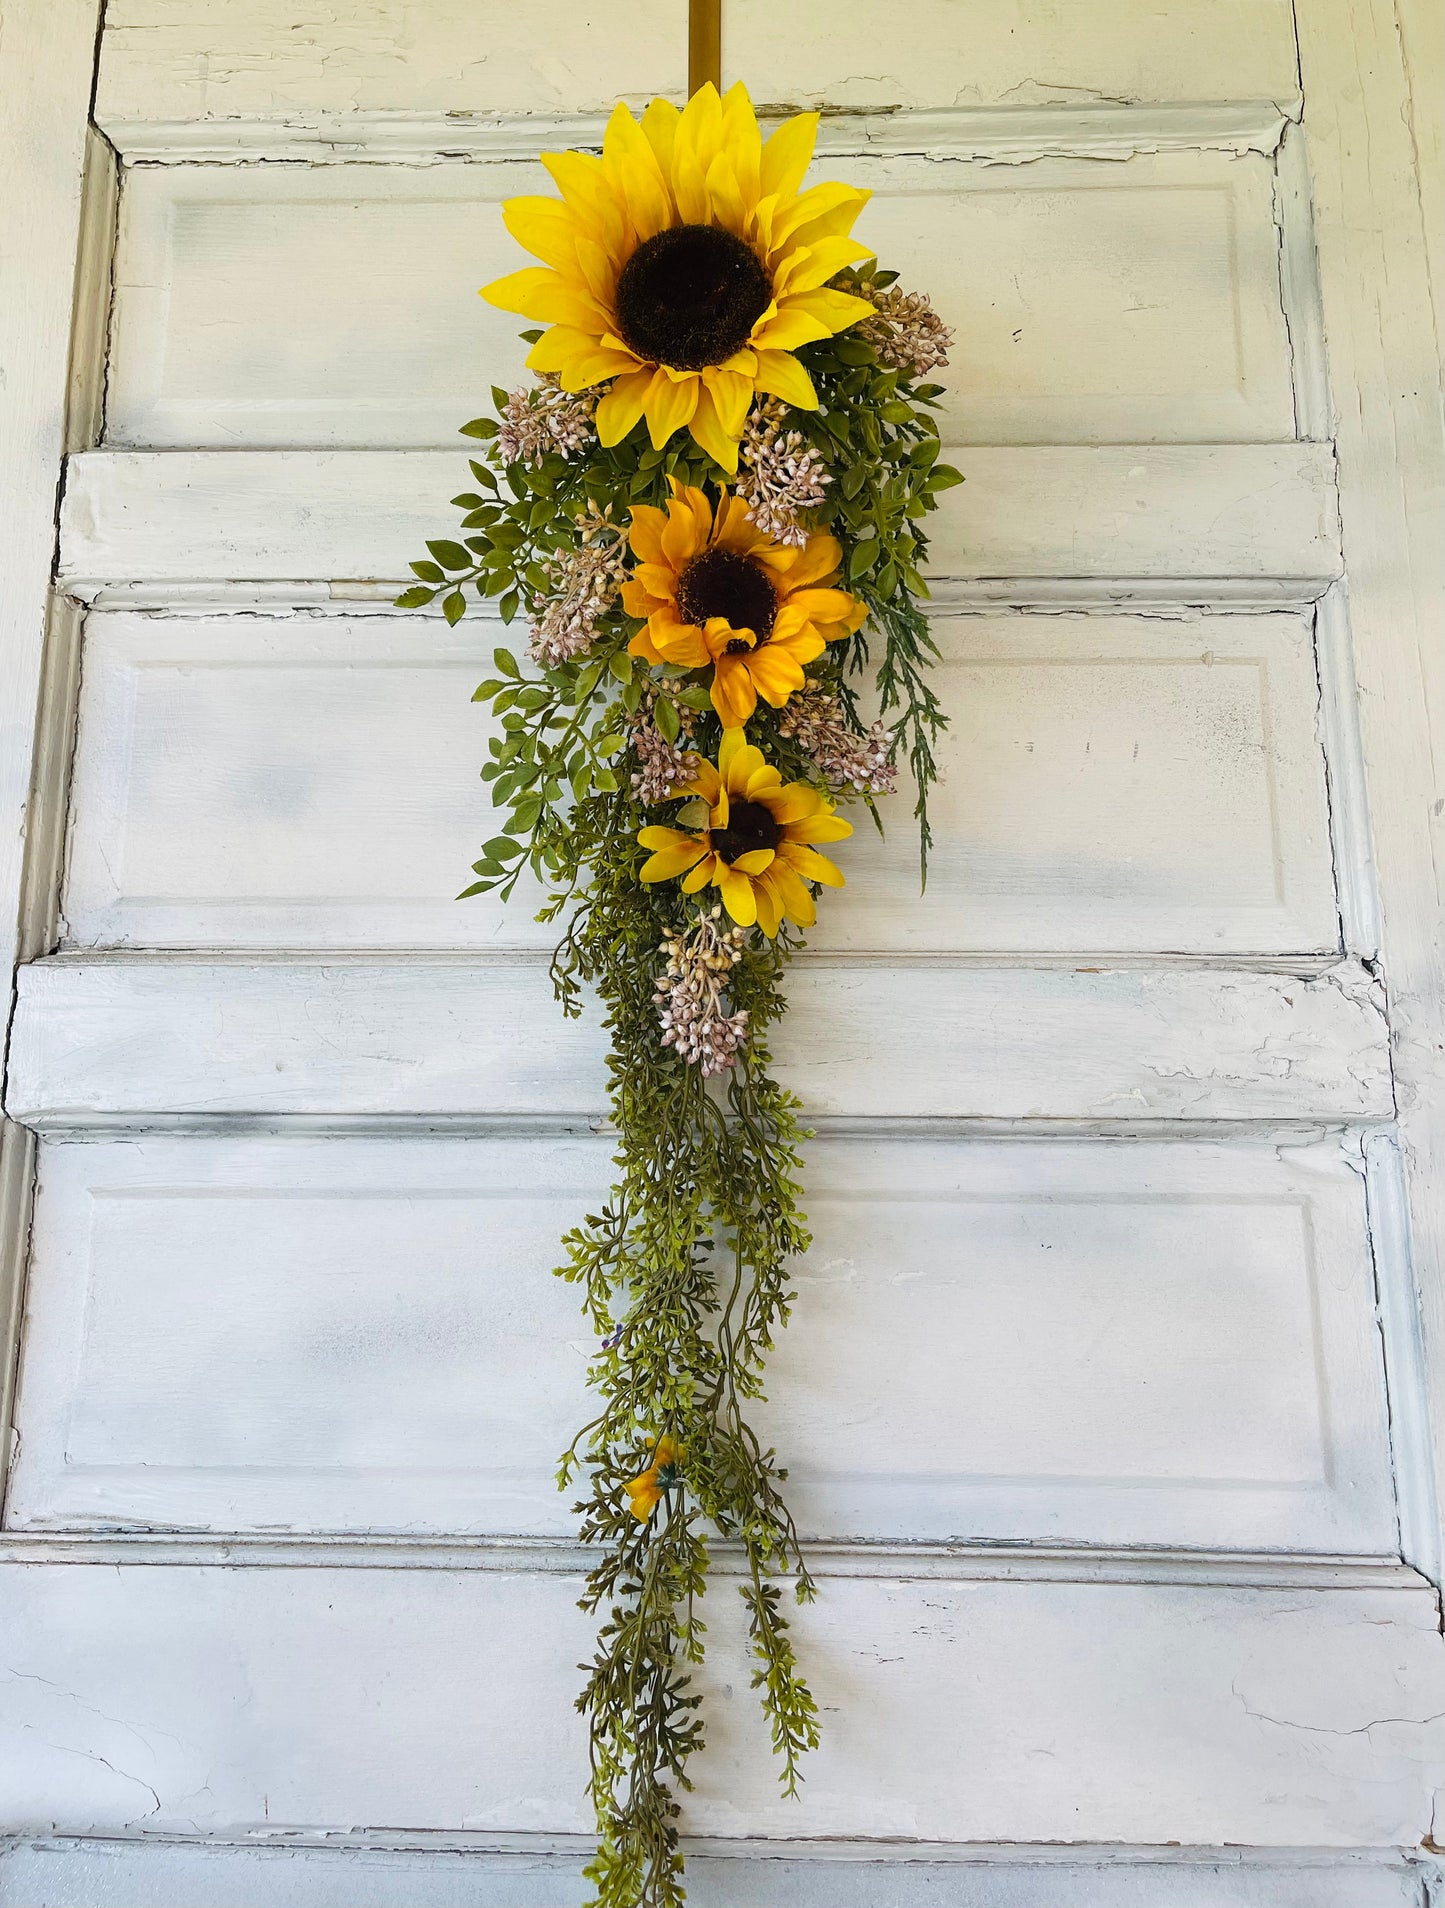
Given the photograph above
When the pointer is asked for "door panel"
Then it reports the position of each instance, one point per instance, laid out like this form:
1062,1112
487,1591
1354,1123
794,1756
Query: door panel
1108,783
267,1700
1117,1343
337,304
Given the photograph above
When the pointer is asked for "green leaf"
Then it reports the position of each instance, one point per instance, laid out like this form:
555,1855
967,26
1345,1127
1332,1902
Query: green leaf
506,663
943,477
501,848
454,607
483,476
861,558
499,397
481,427
450,555
428,572
666,717
529,336
414,597
620,663
477,887
468,500
508,606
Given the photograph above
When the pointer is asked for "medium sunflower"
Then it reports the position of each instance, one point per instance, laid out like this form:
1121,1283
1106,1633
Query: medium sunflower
685,265
715,590
755,848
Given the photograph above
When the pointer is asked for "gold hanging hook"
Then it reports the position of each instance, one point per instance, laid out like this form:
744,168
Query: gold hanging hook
704,44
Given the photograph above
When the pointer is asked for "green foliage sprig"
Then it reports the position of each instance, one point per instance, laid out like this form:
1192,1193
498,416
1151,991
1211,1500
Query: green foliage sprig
684,1270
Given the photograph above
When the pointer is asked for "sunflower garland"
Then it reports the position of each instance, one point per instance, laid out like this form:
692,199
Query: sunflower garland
710,505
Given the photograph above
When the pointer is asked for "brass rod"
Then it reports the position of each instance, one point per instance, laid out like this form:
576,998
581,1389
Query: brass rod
704,44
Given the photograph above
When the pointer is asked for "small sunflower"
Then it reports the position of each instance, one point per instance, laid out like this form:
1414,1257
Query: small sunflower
715,590
644,1492
685,266
756,845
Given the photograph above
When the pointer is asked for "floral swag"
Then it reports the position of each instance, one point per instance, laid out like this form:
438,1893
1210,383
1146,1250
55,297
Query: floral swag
710,507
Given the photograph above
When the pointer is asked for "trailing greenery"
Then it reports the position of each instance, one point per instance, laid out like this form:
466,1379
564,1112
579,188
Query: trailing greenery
683,1272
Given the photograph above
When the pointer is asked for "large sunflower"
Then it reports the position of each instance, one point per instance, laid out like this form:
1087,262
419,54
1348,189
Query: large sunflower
685,265
715,590
755,847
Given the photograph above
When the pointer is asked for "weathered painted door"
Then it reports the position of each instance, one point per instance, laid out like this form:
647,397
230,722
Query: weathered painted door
1106,1398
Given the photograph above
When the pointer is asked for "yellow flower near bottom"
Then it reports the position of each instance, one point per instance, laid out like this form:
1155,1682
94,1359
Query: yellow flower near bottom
645,1491
757,847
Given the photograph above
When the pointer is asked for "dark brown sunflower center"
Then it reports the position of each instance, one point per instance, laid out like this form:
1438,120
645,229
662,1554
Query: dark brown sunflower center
689,297
721,583
750,826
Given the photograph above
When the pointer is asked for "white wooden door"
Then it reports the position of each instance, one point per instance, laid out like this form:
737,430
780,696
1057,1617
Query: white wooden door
1106,1400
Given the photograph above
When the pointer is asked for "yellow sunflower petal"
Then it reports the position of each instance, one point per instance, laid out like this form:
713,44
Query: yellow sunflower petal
780,374
658,578
733,694
823,606
698,877
707,430
669,405
798,903
731,394
787,329
634,174
743,141
787,155
686,534
809,863
754,861
764,782
577,358
620,409
820,828
599,265
813,265
738,896
527,292
643,645
681,644
775,673
819,202
819,558
725,195
645,532
837,222
836,309
770,911
792,803
668,863
659,126
580,179
544,227
738,760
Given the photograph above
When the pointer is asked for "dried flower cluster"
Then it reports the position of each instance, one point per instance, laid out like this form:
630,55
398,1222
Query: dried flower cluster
784,475
545,418
908,333
584,583
814,719
662,765
690,989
